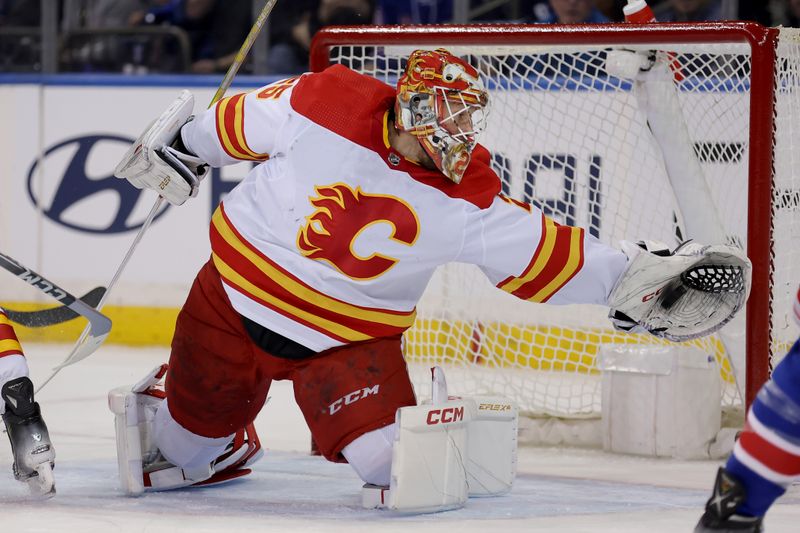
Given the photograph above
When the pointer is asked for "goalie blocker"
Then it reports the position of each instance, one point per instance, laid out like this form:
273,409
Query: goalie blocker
158,159
447,451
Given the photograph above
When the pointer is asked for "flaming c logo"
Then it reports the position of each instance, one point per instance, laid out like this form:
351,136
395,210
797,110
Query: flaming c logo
341,215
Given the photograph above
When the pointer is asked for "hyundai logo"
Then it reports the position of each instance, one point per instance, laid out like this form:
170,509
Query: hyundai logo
72,184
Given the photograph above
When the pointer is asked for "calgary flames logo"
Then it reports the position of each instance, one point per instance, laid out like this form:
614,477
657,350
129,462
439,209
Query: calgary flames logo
341,216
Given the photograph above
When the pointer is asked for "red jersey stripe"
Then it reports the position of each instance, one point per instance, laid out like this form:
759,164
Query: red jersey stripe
534,268
9,344
558,258
227,278
221,224
230,129
260,279
771,456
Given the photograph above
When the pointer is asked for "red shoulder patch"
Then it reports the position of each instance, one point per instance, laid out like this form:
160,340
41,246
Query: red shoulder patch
343,101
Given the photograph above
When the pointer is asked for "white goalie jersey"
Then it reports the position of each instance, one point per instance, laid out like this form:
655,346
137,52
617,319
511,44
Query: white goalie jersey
334,236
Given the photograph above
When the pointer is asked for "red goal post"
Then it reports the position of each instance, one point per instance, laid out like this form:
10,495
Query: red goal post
746,53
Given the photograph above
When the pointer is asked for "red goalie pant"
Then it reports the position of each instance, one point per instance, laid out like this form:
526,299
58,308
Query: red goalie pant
219,378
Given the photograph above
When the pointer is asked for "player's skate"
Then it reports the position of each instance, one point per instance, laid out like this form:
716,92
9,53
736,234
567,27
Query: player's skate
141,465
720,514
34,455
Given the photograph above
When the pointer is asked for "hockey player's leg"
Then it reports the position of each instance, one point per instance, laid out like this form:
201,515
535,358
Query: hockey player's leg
34,456
156,453
437,454
349,397
356,399
370,455
765,460
216,385
359,403
349,391
30,441
204,459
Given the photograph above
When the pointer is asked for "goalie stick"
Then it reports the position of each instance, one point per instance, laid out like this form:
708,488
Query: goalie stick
55,315
77,354
99,325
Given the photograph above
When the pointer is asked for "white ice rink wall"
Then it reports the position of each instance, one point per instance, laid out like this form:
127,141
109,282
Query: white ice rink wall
64,215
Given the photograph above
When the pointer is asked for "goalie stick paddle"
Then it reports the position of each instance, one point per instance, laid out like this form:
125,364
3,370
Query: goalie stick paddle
99,325
77,354
54,315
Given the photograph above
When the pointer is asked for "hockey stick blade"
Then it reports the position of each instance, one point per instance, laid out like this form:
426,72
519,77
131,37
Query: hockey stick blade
99,325
85,347
54,315
87,344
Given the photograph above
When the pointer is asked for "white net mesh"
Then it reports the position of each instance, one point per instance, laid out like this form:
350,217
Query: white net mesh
573,140
786,192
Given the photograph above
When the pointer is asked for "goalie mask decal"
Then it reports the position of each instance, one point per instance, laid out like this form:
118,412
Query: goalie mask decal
441,100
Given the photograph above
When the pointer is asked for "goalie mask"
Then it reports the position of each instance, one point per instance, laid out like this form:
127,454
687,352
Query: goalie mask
442,102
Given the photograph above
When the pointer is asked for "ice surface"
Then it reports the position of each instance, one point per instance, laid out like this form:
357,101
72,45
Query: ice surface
289,490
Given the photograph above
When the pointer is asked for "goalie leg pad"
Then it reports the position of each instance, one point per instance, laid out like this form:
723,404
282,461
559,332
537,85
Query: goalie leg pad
429,471
491,439
492,445
142,421
679,296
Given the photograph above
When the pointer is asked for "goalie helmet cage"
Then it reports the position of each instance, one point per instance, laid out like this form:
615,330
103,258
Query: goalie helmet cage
571,138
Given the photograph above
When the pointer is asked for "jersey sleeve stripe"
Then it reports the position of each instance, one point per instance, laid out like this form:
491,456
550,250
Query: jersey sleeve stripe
9,344
265,282
573,264
777,459
554,264
234,125
6,330
230,129
10,347
226,116
543,250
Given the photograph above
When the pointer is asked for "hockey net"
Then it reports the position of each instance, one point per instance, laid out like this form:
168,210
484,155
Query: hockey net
571,138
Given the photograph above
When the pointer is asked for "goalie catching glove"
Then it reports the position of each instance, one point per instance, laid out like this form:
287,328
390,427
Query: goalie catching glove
159,161
682,295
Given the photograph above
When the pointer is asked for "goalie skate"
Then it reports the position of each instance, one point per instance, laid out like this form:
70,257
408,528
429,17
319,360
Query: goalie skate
141,465
33,452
